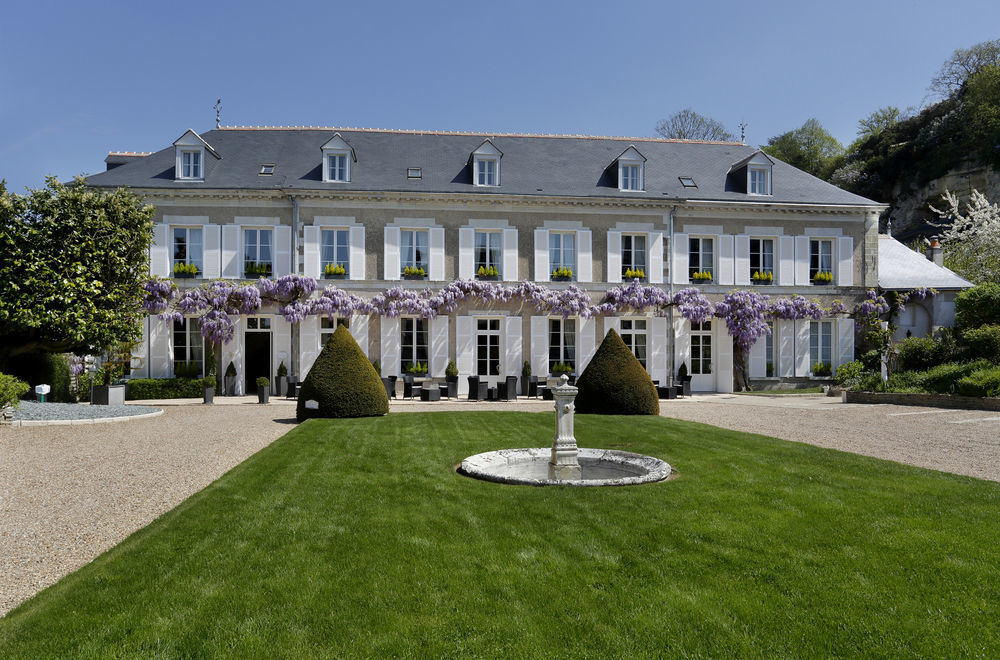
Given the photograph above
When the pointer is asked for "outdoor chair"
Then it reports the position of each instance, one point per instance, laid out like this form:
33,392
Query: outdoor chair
392,385
407,386
507,390
477,389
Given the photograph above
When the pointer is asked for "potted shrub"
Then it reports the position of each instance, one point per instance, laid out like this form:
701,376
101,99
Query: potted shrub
451,378
231,380
257,269
684,379
562,274
334,272
414,273
634,274
525,377
104,392
282,379
770,370
263,389
208,389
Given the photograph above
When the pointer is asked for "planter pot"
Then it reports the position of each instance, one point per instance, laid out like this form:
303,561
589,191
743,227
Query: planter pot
107,395
263,394
184,276
208,395
525,384
696,282
414,277
452,382
762,283
282,385
335,277
417,374
488,278
230,385
562,278
686,387
815,283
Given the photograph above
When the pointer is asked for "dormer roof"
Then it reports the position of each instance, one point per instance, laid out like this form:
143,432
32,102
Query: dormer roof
192,139
486,149
338,143
630,154
756,158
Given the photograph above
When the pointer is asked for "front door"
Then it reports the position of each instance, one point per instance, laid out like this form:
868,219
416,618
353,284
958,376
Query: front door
702,378
488,350
257,360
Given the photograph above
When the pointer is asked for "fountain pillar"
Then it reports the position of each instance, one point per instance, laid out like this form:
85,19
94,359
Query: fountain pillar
564,464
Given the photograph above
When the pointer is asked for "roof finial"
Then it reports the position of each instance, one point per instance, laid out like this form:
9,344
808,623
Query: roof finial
743,132
218,112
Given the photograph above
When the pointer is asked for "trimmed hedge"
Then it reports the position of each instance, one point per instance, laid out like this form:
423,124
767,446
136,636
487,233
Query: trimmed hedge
342,382
164,388
920,353
984,342
985,382
41,367
942,379
978,306
614,383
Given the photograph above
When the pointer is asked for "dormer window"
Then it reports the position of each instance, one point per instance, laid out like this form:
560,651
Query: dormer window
191,164
337,159
486,164
190,154
631,174
752,174
760,181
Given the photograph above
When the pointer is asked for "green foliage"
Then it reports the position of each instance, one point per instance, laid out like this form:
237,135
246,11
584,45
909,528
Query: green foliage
983,382
977,306
11,390
334,269
614,382
963,64
282,370
181,269
525,369
72,264
984,342
416,368
822,369
872,360
165,388
849,374
40,367
187,370
811,148
452,369
263,381
919,353
878,121
941,379
562,368
343,382
208,381
378,367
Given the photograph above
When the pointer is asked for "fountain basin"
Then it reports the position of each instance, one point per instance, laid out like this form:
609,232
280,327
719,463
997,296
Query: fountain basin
599,467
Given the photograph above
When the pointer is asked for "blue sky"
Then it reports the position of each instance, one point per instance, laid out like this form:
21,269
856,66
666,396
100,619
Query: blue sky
81,79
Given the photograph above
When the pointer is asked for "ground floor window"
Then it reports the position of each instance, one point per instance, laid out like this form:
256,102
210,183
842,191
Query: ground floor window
414,342
189,349
633,333
821,347
488,347
327,326
562,343
701,348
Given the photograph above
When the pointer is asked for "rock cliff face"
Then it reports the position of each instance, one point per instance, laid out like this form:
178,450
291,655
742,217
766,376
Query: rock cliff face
910,211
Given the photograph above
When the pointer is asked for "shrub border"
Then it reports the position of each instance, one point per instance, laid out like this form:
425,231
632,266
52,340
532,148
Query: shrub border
954,401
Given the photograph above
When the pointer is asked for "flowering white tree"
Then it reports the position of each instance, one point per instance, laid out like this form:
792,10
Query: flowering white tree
971,240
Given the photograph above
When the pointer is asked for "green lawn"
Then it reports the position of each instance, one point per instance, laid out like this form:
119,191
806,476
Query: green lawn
355,538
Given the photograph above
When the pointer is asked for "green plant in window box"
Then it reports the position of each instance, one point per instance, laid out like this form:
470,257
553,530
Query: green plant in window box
701,276
761,277
414,273
823,277
187,370
560,368
185,270
821,369
562,274
635,274
770,370
334,272
416,368
257,269
488,273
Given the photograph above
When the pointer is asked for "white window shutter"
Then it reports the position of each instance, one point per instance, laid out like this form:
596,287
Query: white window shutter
723,358
439,346
159,251
725,243
679,259
308,345
741,261
586,347
513,346
658,354
359,330
282,250
786,348
391,269
655,257
612,323
211,259
390,346
357,242
231,262
682,345
584,256
802,366
801,260
139,353
233,352
310,252
845,259
160,364
540,346
436,239
542,255
463,352
282,338
614,256
786,261
510,255
758,358
845,341
466,258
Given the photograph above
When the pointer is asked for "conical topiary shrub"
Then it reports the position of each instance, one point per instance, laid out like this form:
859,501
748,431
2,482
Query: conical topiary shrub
342,382
614,383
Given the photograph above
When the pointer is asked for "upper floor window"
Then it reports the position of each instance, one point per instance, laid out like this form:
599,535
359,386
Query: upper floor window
562,344
337,159
187,251
486,164
335,253
701,259
189,156
630,169
413,252
821,261
486,172
191,164
633,333
562,254
257,252
759,182
761,260
489,255
634,256
336,168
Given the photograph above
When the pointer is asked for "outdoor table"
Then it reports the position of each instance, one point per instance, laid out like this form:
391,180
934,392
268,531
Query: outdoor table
430,394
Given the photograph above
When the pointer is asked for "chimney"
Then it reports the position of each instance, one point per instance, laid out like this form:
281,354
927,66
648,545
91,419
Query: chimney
119,158
935,253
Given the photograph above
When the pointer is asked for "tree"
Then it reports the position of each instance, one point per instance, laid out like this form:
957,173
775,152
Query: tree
971,240
879,121
689,125
615,383
810,148
72,264
964,63
342,383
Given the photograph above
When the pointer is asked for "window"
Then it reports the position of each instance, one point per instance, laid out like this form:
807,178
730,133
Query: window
489,255
701,348
191,164
328,326
266,170
336,167
189,349
257,252
562,254
258,323
413,173
701,259
486,172
633,256
187,251
414,342
630,176
821,259
761,260
413,249
488,347
562,343
759,184
770,358
687,182
335,252
820,345
633,333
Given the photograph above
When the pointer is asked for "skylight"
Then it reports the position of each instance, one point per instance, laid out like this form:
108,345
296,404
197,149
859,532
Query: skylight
687,182
413,173
266,170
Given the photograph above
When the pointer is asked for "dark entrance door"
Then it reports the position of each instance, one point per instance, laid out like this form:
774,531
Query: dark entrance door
258,357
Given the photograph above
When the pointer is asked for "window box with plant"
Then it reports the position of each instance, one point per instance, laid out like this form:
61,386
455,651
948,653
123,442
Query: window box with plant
183,270
334,272
634,274
263,389
451,378
822,370
823,277
762,277
560,368
488,273
414,273
417,368
257,269
701,277
562,275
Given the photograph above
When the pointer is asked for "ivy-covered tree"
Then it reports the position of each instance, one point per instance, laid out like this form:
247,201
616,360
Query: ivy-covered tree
72,264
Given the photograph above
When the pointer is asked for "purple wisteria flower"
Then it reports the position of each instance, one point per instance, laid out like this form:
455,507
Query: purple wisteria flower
745,313
159,294
693,305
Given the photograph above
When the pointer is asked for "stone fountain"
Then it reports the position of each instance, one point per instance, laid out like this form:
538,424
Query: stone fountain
564,463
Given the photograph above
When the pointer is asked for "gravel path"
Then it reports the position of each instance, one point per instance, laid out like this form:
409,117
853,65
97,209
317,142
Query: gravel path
34,411
68,493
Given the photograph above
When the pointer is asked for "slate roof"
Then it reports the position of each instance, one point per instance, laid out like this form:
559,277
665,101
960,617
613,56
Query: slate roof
547,165
899,267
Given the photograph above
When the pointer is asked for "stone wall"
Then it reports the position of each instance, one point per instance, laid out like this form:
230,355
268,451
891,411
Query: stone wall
929,400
